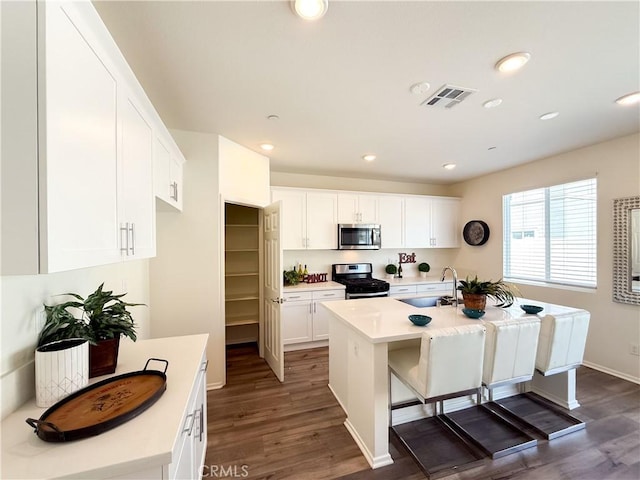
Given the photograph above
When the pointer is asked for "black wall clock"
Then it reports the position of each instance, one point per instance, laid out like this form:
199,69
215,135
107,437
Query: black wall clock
476,232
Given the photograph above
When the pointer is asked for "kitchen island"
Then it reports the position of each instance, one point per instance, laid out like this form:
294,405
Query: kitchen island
361,333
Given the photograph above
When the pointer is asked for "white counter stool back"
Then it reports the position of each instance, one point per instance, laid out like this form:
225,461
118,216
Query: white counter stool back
510,352
562,342
560,349
447,364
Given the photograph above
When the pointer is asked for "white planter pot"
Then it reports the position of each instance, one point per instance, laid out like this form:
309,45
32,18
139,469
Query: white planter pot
62,368
423,274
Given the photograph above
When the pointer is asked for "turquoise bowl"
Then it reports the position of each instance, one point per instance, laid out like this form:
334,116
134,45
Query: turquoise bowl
473,312
419,320
532,309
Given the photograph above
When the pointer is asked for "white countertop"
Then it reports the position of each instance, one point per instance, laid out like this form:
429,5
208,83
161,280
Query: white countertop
141,443
312,287
385,319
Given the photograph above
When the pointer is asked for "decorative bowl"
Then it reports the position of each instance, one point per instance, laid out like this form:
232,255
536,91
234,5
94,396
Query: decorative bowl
531,308
473,312
419,320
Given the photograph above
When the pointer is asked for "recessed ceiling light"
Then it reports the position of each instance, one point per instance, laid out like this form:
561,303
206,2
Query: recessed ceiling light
310,9
267,146
512,62
419,88
273,117
369,157
492,103
549,115
629,99
449,166
491,148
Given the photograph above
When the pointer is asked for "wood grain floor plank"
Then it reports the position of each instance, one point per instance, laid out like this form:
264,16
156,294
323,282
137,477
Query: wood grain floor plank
294,430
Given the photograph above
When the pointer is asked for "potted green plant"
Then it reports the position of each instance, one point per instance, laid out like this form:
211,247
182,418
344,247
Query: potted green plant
291,277
391,270
424,268
475,293
102,318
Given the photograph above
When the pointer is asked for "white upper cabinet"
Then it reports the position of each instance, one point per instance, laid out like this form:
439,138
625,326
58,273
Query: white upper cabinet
391,219
168,166
77,113
445,222
354,208
84,196
417,222
137,208
309,219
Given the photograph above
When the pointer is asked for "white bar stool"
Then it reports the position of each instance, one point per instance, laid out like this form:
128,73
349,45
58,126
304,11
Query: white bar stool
560,348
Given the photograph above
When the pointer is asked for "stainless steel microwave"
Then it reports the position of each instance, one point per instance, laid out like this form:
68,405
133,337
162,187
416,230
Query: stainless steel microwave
355,236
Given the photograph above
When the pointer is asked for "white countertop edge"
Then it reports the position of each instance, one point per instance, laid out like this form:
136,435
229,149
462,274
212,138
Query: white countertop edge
312,287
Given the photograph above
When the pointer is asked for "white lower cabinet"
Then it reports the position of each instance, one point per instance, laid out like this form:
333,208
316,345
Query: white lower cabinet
403,291
191,446
303,320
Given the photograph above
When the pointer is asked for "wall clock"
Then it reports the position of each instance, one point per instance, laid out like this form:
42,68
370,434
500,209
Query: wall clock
476,232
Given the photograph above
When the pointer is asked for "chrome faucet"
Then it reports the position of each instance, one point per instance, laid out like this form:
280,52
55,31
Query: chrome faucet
455,283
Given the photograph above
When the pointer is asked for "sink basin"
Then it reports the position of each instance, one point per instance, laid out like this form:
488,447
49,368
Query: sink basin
420,301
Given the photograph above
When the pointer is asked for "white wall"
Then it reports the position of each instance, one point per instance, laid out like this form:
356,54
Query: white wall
23,295
617,166
244,175
185,275
282,179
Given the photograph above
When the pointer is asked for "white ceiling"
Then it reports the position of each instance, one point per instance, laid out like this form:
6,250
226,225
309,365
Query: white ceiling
340,85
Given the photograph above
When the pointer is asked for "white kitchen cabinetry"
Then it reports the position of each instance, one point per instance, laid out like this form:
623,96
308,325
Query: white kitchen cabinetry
81,197
167,441
391,219
445,222
137,208
168,175
354,208
432,222
309,219
303,320
190,450
400,291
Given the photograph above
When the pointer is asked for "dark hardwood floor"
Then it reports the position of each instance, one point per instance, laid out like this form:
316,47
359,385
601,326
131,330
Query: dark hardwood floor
263,429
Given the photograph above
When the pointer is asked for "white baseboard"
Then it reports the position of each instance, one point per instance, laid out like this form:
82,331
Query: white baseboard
610,371
215,386
306,345
374,462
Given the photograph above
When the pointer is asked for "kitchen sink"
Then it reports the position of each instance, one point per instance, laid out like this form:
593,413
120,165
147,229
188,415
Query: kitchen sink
422,302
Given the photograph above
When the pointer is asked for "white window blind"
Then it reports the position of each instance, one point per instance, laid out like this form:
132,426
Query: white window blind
550,234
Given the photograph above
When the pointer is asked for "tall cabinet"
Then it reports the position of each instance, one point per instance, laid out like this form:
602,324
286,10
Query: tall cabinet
243,274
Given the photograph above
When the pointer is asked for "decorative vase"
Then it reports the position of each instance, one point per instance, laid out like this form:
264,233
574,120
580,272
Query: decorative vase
103,357
62,368
477,301
423,274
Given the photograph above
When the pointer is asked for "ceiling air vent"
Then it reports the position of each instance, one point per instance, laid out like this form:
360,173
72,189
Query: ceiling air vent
448,96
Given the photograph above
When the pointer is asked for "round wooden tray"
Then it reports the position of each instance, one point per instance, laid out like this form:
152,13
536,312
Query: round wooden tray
101,406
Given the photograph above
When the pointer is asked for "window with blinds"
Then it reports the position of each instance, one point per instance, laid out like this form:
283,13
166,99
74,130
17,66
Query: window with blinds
550,234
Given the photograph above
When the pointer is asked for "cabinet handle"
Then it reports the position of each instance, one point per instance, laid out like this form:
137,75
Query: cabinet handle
124,228
201,420
173,191
314,307
132,229
204,366
189,429
176,197
294,296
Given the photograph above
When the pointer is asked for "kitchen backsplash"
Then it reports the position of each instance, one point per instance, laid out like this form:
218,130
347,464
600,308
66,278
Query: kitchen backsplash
319,261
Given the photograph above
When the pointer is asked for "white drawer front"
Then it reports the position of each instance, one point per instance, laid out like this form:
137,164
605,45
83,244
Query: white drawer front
328,294
435,287
298,296
402,290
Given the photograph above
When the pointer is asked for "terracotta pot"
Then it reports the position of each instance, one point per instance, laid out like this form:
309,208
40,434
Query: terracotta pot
476,301
103,357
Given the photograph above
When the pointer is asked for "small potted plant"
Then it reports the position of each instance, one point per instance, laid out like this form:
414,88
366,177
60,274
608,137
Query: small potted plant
391,270
102,318
475,293
291,277
424,268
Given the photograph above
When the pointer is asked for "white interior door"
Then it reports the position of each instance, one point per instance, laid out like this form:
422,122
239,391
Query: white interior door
273,345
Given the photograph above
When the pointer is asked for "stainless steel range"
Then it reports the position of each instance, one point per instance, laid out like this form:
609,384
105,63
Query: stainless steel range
358,279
